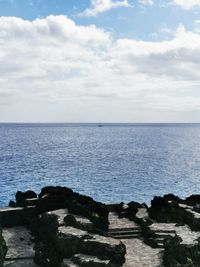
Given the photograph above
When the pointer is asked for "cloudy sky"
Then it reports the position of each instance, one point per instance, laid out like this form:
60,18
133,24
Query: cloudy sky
100,61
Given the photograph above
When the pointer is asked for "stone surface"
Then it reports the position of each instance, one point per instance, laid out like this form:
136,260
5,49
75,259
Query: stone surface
20,263
20,247
116,222
191,210
142,213
52,198
3,249
138,254
19,242
167,211
141,255
60,213
90,261
105,248
71,241
184,232
178,254
69,225
68,219
68,240
69,263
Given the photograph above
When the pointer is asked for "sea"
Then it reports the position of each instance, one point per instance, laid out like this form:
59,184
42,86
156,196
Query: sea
110,162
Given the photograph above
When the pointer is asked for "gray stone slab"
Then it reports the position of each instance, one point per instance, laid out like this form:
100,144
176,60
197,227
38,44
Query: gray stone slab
88,260
20,263
61,213
69,231
116,223
69,263
138,254
18,240
188,236
190,210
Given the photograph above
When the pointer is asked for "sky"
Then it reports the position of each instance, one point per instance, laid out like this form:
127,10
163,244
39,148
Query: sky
99,61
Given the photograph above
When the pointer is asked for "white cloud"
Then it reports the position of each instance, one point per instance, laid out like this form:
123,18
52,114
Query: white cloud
54,70
146,2
187,4
99,6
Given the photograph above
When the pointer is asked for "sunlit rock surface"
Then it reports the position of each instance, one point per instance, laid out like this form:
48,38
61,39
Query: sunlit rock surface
20,247
60,228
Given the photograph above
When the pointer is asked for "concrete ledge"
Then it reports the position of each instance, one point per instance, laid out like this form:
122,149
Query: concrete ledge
10,217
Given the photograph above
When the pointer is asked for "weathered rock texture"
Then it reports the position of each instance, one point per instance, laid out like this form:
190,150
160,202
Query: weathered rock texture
3,249
178,254
61,228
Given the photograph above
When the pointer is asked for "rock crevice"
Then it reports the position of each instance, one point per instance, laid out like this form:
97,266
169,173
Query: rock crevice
61,228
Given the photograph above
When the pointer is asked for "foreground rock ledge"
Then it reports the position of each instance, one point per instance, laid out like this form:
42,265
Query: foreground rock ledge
60,228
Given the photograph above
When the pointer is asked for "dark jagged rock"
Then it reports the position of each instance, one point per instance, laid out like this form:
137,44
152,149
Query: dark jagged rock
46,255
171,197
82,200
133,208
12,204
136,205
30,202
70,220
87,207
119,208
98,214
52,198
164,211
193,200
70,227
87,225
44,227
10,217
55,190
80,223
144,221
128,210
177,254
51,202
3,249
103,250
22,196
71,241
67,241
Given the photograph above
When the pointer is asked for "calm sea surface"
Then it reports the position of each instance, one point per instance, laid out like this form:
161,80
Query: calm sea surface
113,163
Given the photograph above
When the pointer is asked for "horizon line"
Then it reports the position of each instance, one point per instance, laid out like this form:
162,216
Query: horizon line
97,122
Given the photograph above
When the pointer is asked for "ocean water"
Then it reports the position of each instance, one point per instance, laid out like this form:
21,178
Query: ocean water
113,163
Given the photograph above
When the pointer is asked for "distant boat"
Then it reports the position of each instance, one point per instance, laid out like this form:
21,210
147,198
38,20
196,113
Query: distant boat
100,125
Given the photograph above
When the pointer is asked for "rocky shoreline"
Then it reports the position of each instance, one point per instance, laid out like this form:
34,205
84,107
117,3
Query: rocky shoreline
62,228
